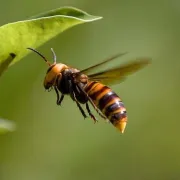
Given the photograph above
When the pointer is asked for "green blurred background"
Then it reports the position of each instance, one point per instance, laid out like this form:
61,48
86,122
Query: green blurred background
56,143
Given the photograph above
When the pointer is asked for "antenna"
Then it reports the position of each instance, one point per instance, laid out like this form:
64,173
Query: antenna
49,64
54,55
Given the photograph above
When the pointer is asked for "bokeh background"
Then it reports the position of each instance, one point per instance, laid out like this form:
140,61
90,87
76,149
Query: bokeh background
56,143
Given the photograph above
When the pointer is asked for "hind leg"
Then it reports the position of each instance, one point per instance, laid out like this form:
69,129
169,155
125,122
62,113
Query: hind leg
92,103
90,113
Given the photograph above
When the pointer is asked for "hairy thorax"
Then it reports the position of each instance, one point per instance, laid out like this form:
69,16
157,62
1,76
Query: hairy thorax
73,81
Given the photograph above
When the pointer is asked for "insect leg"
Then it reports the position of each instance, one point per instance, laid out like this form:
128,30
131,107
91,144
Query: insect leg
79,106
57,93
81,109
90,113
97,110
92,103
74,98
61,99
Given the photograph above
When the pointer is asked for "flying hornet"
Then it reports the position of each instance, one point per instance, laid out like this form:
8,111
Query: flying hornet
85,87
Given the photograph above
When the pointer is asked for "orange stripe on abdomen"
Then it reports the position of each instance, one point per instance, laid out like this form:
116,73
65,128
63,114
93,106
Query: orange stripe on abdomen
109,103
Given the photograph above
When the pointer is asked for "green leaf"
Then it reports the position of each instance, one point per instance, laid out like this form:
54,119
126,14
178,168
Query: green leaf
16,37
6,126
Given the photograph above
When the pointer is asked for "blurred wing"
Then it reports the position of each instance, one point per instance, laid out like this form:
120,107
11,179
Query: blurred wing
96,66
118,74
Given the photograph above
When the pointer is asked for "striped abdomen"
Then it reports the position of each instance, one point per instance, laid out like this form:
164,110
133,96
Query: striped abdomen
109,103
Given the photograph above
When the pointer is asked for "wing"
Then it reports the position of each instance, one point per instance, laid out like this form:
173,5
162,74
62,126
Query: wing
96,66
118,74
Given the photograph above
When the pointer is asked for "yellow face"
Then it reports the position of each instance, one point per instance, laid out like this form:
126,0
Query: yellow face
53,72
